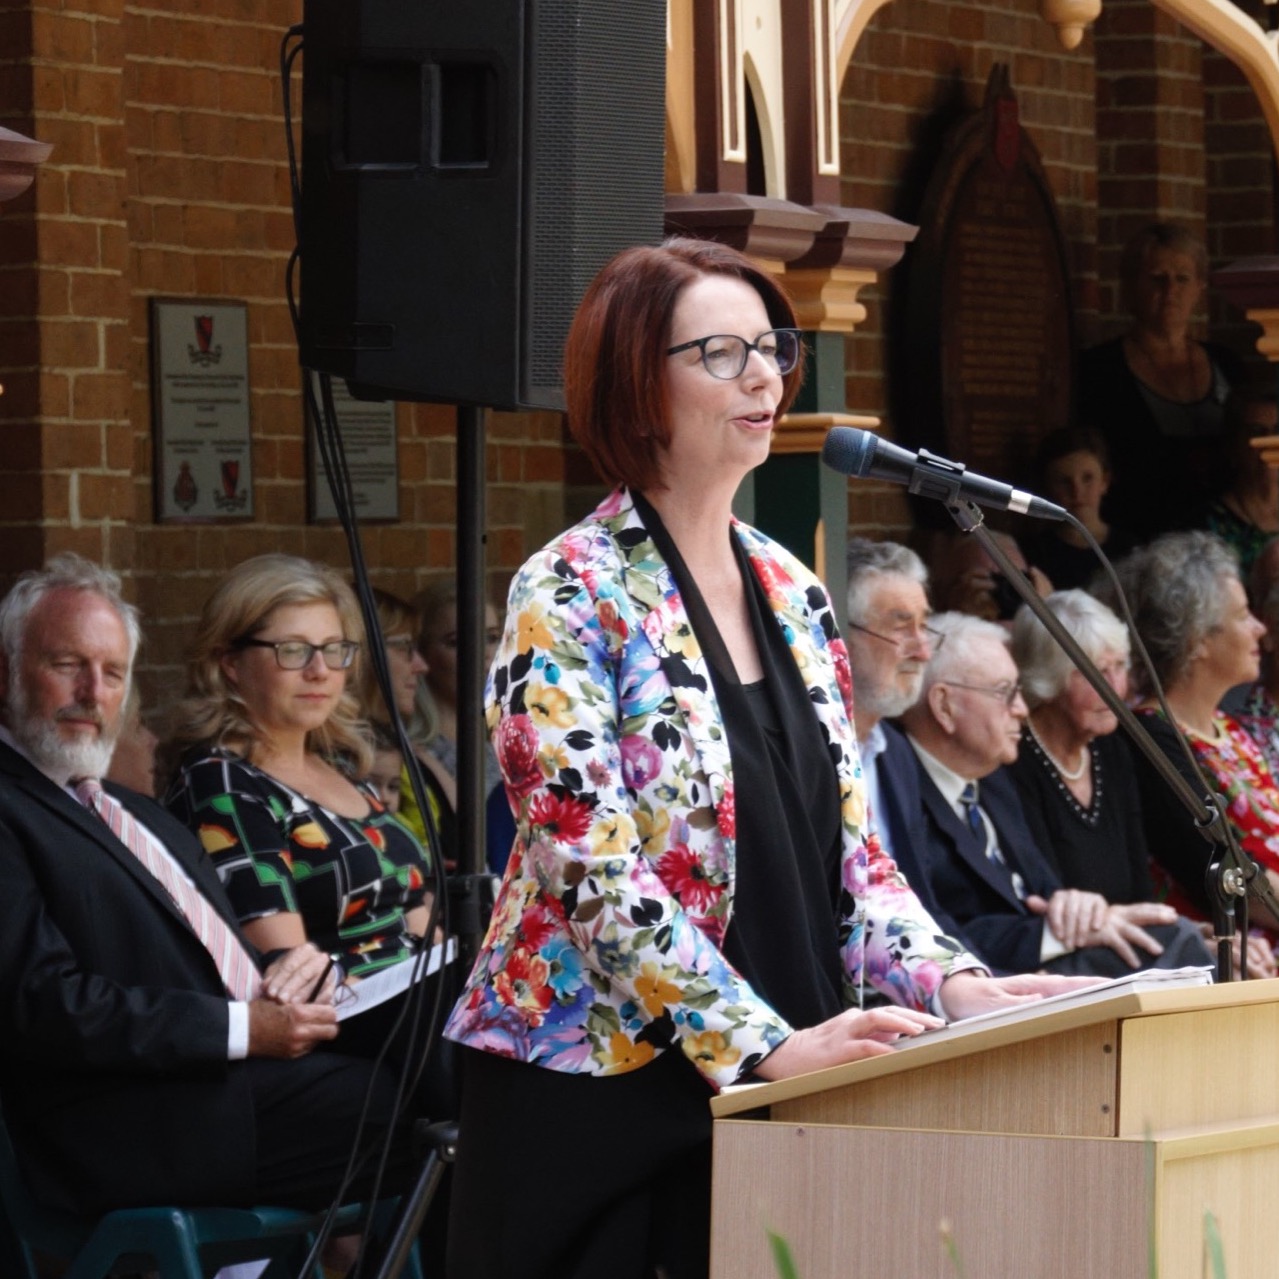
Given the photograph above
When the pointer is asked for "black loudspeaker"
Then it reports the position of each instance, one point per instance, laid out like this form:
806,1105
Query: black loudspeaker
467,167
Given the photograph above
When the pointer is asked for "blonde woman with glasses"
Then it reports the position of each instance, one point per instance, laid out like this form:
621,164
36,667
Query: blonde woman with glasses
270,754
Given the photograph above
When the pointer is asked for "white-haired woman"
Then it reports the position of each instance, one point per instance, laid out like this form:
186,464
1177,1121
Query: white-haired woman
1075,777
1074,771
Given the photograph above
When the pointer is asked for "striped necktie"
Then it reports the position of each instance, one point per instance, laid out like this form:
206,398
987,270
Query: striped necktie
238,971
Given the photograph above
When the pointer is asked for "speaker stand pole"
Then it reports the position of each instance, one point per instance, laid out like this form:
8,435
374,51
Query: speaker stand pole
468,919
469,892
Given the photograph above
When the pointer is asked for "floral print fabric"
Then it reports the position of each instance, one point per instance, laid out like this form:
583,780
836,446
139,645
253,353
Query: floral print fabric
604,945
1260,719
351,879
1235,764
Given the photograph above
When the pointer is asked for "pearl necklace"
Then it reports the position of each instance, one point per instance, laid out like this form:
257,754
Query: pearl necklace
1068,774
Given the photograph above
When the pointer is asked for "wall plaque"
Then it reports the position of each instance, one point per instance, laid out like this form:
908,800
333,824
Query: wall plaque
369,441
989,323
200,403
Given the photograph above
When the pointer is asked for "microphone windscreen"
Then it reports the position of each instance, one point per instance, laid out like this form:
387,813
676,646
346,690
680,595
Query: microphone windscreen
849,450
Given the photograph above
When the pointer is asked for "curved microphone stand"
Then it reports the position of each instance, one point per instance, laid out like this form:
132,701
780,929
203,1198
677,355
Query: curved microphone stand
1231,874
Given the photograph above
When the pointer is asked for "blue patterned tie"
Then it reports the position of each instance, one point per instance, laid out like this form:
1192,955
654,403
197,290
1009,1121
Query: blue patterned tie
989,841
968,797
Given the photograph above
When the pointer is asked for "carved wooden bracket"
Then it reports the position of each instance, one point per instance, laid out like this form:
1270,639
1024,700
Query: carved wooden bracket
1251,285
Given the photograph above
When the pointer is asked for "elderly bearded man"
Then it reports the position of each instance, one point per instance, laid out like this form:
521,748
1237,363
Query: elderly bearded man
145,1054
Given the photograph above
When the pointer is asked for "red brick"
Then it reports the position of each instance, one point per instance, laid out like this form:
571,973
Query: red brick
99,397
97,293
108,41
55,394
68,243
70,344
89,542
69,446
74,141
246,93
111,146
61,37
115,345
207,133
207,279
125,450
93,92
47,91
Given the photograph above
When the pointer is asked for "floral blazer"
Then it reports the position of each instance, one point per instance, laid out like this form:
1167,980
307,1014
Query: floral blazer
604,945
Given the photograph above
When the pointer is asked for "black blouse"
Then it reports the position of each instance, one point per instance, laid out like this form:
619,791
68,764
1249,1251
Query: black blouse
783,935
1101,848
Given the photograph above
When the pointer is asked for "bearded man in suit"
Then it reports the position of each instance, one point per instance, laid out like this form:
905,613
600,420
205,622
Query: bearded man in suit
147,1053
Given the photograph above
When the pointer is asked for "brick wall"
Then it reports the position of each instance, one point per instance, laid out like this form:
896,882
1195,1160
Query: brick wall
169,178
67,448
920,68
1150,124
1141,122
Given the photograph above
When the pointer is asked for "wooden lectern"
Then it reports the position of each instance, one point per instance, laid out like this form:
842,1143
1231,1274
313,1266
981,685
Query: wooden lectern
1072,1142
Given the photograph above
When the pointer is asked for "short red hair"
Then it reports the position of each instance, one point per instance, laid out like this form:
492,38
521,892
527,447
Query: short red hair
615,354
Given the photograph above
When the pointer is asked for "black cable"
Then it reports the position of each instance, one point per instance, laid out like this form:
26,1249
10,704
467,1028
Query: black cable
328,438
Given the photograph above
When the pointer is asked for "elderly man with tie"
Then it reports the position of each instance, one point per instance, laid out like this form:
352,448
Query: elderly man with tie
145,1053
975,850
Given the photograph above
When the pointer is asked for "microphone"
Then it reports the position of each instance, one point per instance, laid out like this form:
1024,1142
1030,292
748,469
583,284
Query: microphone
862,453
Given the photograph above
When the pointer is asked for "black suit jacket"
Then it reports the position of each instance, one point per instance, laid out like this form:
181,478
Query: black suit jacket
113,1019
973,891
902,814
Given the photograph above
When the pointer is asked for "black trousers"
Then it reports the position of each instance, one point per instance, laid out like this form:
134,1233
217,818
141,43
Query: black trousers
307,1114
365,1035
565,1176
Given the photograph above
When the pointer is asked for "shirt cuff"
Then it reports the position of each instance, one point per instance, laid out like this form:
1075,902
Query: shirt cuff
1050,947
963,964
237,1047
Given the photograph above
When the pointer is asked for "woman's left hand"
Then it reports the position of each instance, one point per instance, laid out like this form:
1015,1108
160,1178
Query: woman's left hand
968,993
292,978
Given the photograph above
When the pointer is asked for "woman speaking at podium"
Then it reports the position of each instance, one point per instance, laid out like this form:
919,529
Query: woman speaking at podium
692,899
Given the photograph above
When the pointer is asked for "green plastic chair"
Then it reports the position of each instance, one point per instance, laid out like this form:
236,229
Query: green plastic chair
179,1243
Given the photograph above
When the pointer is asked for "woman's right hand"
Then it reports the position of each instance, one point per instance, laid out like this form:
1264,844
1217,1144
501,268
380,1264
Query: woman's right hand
849,1036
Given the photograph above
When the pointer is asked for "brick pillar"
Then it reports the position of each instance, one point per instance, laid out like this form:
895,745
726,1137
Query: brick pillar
1150,135
68,449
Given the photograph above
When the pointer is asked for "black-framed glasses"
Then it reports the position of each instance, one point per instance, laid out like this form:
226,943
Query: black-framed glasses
725,354
405,645
1007,693
906,632
296,655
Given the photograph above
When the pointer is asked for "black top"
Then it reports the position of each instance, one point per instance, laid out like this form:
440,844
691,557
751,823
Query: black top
783,935
1160,481
1102,848
1073,567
